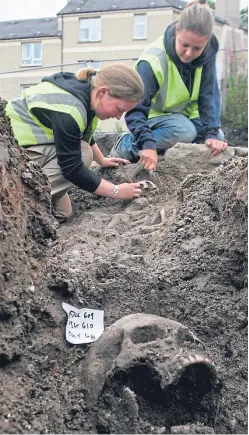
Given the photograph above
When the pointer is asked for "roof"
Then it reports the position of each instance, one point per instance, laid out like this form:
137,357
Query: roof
88,6
35,28
48,27
84,6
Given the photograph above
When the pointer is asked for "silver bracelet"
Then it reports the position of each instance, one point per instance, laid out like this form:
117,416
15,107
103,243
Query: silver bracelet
115,191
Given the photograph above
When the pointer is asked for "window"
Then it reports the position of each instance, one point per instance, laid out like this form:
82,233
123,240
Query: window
140,26
89,64
90,29
31,53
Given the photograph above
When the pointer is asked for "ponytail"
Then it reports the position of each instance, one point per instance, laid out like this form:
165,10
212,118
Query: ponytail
122,81
85,74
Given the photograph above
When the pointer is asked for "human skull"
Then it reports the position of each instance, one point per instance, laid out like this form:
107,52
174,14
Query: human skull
159,360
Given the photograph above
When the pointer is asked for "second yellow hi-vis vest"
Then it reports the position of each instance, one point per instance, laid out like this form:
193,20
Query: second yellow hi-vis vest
172,96
28,130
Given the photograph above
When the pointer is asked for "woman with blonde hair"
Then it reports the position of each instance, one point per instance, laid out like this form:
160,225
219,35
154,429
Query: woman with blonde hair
182,101
54,122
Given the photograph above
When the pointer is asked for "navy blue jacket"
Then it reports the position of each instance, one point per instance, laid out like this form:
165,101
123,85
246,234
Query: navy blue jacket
209,97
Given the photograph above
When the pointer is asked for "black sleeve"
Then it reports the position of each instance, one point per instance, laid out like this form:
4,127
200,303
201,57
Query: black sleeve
137,118
209,101
92,142
68,150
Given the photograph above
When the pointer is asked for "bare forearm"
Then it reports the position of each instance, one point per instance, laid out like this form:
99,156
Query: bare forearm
105,188
97,154
122,191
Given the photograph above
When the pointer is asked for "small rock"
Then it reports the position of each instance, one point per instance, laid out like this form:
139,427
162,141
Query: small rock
241,151
26,175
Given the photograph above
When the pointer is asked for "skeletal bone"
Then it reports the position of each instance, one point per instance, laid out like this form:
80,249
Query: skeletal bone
143,337
147,183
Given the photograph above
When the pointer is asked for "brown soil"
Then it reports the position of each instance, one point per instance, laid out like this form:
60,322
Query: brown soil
187,263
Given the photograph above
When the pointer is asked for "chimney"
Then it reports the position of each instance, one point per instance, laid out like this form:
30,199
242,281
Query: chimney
228,10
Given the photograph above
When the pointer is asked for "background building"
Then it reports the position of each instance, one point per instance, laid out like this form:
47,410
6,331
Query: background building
26,48
98,33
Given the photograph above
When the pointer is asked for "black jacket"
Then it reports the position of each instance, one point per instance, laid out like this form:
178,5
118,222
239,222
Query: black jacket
67,134
209,98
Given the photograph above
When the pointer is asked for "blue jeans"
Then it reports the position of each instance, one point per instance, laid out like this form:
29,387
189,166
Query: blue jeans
167,131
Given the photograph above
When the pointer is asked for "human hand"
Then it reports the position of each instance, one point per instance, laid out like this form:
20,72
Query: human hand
216,146
149,159
129,191
113,162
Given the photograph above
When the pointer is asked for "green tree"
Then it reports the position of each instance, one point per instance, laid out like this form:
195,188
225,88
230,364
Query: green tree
211,3
243,12
235,108
244,15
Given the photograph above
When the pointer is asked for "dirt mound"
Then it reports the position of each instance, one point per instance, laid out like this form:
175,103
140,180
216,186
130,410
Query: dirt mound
25,227
179,251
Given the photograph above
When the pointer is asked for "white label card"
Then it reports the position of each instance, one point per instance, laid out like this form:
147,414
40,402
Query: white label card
83,325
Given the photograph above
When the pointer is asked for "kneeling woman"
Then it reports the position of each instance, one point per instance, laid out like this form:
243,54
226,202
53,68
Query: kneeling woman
54,122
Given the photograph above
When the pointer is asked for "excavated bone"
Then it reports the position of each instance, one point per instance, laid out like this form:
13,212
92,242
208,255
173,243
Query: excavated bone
167,347
146,184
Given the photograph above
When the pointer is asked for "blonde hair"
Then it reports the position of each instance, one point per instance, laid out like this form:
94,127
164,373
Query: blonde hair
122,81
197,17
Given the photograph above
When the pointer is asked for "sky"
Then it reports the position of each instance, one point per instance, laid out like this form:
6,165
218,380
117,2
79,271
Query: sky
24,9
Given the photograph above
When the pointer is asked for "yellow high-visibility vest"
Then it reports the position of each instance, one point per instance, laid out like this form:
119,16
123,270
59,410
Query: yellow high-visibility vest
27,129
172,95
